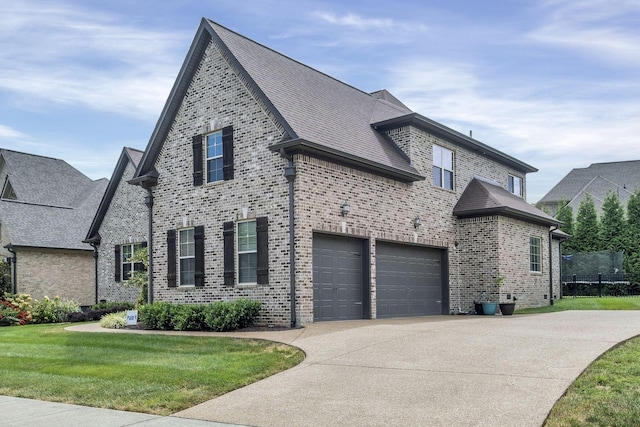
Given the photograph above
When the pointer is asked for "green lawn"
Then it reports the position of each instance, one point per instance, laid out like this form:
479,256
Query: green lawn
587,303
607,393
156,374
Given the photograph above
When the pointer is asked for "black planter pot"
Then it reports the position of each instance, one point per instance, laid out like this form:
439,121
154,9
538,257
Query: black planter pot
507,308
478,308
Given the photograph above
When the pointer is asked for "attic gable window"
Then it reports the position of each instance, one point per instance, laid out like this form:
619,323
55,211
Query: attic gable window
218,152
442,167
515,185
7,192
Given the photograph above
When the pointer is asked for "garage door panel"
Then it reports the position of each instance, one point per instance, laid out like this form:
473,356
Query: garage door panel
409,280
337,278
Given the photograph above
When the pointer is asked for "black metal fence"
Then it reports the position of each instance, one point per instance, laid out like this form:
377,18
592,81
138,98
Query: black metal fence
600,285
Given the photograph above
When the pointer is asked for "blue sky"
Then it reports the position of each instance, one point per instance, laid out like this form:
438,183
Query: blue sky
554,83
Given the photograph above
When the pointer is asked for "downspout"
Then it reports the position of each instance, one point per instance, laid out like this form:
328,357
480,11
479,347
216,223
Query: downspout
554,228
148,200
95,268
14,261
290,174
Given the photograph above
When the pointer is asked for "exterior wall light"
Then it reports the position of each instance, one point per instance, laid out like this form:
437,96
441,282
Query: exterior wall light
345,209
417,222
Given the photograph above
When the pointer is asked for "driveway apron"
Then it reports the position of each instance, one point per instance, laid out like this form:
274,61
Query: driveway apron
426,371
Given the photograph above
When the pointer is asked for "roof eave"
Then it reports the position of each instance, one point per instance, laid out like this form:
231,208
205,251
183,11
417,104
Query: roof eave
456,137
509,212
302,146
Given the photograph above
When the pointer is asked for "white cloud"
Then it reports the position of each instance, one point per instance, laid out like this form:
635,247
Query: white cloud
597,28
354,21
66,55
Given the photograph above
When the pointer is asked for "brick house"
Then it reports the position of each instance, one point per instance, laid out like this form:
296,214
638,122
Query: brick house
45,208
388,213
119,228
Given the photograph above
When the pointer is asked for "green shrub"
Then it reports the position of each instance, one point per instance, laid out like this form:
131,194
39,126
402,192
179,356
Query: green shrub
52,310
232,315
218,316
156,315
114,320
188,317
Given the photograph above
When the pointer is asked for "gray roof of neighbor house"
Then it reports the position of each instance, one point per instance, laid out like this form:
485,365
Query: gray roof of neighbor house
482,197
320,115
128,155
54,203
598,179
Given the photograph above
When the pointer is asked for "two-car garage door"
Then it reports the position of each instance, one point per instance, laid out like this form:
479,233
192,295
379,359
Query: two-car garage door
410,280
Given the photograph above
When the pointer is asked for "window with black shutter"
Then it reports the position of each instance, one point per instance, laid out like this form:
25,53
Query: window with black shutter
197,159
229,252
171,258
117,261
198,237
262,237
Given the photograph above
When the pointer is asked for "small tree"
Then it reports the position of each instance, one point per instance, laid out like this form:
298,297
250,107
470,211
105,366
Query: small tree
612,223
140,278
586,231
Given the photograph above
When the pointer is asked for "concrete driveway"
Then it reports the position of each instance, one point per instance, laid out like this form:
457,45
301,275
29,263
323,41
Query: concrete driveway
430,371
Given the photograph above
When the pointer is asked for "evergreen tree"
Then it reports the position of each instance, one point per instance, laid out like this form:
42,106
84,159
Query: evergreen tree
586,230
612,225
565,215
632,238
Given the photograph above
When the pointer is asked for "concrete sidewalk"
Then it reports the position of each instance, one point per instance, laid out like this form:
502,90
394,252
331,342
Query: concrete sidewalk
429,371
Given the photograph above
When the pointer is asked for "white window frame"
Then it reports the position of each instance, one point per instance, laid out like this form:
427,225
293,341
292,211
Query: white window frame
511,185
131,248
217,135
533,255
440,154
182,256
241,253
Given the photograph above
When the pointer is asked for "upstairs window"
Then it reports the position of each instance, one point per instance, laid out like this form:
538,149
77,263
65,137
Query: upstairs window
515,185
535,260
442,167
214,157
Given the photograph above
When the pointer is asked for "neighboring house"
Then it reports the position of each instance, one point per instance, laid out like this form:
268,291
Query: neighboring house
118,229
46,207
597,180
271,180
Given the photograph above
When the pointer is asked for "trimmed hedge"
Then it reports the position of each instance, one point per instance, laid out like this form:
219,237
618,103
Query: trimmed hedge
218,316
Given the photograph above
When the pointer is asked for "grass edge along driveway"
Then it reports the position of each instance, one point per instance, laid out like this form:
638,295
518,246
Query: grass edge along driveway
155,374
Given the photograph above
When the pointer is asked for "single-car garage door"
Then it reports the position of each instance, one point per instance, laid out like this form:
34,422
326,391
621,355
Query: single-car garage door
338,278
410,281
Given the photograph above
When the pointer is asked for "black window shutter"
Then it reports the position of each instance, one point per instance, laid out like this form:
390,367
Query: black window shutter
143,244
227,153
118,263
196,142
198,238
262,234
229,252
171,258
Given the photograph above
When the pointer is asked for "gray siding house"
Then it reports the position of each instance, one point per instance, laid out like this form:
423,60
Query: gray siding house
119,228
597,180
271,180
46,207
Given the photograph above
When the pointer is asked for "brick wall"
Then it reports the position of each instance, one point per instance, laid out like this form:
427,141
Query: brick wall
125,222
53,272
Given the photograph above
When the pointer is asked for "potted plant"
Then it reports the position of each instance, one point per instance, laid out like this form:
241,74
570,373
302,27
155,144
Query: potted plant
490,307
506,308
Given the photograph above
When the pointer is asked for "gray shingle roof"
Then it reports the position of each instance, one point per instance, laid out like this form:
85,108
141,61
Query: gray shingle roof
318,113
622,177
55,202
482,198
